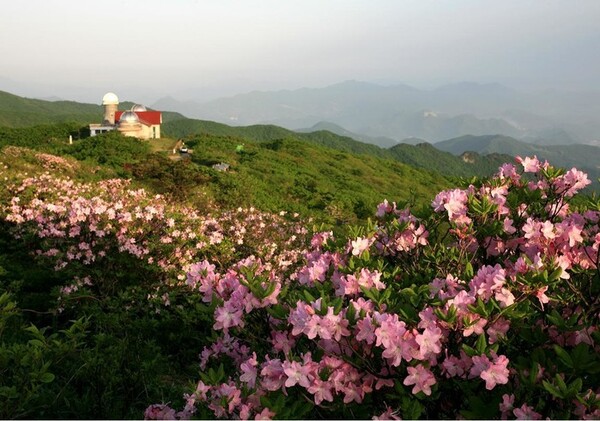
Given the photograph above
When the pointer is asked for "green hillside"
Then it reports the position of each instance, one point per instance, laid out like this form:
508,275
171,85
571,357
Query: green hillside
16,111
423,156
287,174
299,176
584,157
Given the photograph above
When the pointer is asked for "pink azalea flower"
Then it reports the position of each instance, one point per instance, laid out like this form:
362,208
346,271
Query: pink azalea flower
360,245
249,371
541,296
571,182
273,375
453,367
383,208
489,279
496,373
480,364
498,330
353,393
422,379
504,297
227,317
508,226
265,414
507,405
335,325
365,330
321,391
530,164
296,374
388,414
429,342
454,202
473,324
159,412
508,171
526,412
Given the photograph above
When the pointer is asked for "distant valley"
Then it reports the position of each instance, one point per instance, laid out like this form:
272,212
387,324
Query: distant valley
386,114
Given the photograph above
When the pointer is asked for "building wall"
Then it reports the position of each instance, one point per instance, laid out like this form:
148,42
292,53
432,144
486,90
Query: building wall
135,130
109,113
155,131
141,131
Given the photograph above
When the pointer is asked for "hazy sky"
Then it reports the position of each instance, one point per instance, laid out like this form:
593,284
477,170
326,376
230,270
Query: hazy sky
79,49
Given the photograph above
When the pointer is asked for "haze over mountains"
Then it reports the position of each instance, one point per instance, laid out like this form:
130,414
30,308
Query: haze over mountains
398,112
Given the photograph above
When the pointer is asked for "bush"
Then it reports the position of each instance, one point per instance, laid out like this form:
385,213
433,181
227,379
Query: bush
487,307
484,306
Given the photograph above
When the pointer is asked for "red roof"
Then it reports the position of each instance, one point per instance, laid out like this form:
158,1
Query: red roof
148,118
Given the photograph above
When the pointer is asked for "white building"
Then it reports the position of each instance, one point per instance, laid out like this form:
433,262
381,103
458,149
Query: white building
137,122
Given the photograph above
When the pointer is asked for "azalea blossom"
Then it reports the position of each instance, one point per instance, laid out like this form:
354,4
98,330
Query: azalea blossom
422,379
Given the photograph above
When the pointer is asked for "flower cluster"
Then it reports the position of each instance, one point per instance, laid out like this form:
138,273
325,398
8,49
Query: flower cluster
485,306
412,310
80,227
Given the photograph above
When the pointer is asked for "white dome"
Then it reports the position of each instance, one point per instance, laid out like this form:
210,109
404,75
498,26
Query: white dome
110,99
129,117
138,107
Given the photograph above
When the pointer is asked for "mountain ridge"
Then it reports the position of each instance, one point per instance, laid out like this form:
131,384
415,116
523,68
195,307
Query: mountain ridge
396,111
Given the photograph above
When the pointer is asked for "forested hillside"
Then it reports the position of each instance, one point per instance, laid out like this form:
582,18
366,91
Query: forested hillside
16,111
284,173
585,157
423,156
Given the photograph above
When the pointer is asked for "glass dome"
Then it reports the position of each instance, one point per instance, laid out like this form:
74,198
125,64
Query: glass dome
138,107
129,117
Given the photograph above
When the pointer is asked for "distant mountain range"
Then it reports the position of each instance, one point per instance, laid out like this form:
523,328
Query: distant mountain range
383,114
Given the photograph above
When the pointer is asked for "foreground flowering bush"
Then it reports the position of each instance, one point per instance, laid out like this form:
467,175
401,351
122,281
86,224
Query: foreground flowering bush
487,307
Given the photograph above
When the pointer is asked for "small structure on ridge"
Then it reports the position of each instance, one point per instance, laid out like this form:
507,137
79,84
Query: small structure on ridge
137,122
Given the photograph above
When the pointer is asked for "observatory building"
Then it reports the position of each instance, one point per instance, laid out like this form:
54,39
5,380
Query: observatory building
137,122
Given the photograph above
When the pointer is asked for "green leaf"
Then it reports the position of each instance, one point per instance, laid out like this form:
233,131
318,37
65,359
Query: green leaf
308,296
575,386
36,343
220,373
481,344
277,311
555,274
269,290
47,377
562,386
553,390
411,408
351,314
266,402
469,270
563,356
469,351
9,392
